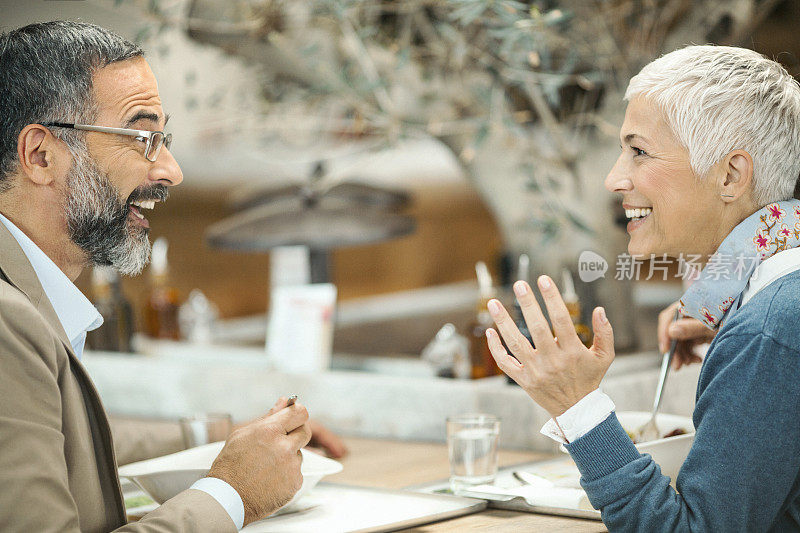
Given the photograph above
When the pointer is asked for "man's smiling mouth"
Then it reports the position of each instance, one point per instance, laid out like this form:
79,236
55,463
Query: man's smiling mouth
136,207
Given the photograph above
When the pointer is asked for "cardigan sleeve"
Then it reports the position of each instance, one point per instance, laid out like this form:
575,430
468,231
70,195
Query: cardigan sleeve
742,470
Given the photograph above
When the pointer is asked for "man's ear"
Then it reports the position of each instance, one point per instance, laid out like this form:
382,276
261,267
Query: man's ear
736,177
43,158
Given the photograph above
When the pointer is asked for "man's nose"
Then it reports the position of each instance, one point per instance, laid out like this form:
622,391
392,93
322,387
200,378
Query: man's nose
617,180
166,170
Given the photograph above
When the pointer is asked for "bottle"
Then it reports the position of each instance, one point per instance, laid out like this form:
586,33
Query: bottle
162,303
117,330
574,309
481,360
197,318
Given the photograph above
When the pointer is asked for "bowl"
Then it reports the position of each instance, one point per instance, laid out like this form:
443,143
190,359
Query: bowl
669,453
166,476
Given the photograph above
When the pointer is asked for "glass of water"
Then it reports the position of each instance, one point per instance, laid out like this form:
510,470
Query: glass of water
472,447
205,428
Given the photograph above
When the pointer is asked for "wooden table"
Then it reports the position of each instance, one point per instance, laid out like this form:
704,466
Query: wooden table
396,464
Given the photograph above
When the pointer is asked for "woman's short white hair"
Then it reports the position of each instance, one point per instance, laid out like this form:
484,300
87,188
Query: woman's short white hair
719,98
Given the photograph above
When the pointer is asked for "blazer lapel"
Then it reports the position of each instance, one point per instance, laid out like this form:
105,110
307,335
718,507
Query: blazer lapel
18,271
16,268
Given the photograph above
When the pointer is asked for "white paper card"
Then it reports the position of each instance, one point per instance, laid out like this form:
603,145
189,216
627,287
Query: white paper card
300,328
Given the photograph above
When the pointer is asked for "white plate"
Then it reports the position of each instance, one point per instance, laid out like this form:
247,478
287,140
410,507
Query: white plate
166,476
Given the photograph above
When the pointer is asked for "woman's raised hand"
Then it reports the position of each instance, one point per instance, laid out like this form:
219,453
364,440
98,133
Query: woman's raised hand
560,370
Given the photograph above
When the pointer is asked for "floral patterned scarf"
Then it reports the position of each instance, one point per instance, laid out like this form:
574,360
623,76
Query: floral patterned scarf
718,288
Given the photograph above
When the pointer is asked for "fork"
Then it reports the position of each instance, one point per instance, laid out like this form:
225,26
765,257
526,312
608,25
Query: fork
649,431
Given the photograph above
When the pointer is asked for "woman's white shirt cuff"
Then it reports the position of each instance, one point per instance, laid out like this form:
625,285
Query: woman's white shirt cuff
579,419
226,495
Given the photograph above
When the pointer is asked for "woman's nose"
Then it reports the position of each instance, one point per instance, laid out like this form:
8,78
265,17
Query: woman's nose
618,180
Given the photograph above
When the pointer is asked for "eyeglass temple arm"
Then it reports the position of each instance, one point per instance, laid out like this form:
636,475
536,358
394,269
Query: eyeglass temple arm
102,129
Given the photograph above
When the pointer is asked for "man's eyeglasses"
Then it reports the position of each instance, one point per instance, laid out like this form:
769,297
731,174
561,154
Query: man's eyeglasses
154,139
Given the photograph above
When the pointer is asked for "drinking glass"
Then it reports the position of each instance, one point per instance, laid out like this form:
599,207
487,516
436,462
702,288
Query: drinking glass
206,428
472,448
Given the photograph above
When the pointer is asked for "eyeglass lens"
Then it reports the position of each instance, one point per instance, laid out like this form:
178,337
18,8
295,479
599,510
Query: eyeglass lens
157,140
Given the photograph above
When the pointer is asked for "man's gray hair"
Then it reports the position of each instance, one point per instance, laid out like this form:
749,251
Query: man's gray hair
46,76
719,98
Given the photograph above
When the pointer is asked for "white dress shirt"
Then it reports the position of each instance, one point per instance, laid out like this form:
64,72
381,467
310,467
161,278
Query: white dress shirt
595,407
78,316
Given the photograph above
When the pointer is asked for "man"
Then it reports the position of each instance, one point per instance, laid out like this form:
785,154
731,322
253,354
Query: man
71,194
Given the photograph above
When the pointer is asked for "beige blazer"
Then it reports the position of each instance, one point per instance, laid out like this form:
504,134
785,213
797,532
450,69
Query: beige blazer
57,464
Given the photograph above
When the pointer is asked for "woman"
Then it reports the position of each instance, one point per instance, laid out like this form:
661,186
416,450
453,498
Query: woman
710,159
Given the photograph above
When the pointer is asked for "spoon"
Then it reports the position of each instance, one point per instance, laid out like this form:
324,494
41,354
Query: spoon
649,431
530,478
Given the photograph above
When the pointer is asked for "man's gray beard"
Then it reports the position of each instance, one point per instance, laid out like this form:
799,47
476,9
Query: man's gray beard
97,219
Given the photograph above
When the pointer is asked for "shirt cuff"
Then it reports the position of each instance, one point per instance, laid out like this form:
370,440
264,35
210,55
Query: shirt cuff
579,419
226,495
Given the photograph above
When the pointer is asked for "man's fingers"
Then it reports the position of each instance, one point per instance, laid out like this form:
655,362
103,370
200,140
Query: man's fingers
290,418
300,436
534,318
559,315
280,404
327,440
516,341
504,360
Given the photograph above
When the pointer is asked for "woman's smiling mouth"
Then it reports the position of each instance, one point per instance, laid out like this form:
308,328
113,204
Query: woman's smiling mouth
638,215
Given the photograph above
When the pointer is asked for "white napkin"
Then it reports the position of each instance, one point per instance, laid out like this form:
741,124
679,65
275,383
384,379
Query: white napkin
542,496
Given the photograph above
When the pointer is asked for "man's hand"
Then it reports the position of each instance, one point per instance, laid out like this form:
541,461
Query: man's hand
560,370
326,441
690,333
323,440
261,460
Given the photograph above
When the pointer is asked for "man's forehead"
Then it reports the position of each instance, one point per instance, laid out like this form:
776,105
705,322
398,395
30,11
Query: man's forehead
125,90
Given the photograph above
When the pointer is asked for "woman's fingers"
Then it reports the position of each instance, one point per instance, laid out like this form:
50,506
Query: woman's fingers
685,355
665,318
504,360
534,318
559,315
603,344
687,329
517,344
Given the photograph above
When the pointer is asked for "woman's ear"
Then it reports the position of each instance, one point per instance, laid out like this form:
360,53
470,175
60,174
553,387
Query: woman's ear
43,158
736,177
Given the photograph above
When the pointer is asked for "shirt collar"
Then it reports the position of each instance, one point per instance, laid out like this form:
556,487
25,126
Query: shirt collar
771,269
75,312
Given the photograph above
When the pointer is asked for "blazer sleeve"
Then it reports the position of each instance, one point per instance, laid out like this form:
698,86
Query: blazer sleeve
137,440
35,494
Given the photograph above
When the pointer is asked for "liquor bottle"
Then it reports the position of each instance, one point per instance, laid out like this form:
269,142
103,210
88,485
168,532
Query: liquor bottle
574,308
163,302
481,359
117,330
